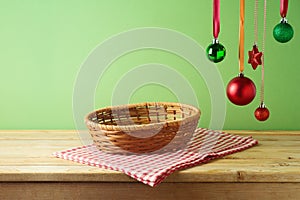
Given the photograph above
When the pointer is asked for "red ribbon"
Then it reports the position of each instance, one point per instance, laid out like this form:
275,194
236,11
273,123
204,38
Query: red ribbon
216,20
283,7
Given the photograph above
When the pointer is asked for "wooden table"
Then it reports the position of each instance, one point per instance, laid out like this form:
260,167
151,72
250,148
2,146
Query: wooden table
270,170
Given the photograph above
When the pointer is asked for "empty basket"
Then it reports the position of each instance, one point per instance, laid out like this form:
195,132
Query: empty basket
143,127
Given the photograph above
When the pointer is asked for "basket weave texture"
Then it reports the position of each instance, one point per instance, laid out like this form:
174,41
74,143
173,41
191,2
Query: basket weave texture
143,127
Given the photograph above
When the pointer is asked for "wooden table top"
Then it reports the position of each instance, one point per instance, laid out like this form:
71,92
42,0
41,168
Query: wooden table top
26,156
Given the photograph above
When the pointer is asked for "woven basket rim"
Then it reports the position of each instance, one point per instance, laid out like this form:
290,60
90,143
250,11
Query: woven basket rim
194,115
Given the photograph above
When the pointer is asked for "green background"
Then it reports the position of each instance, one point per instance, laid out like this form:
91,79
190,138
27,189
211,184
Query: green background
44,43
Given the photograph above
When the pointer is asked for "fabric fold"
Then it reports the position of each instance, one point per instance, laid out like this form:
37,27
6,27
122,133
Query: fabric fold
152,169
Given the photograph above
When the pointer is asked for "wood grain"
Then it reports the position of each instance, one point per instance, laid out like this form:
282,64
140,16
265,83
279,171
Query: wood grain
27,156
165,191
270,170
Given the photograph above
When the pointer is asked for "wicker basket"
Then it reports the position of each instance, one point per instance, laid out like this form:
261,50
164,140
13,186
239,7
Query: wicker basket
142,128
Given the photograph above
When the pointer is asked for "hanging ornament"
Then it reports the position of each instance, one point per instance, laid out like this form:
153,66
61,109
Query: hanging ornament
216,52
254,54
262,113
255,57
283,32
241,90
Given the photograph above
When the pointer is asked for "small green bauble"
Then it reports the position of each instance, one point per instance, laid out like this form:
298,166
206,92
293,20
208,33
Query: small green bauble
216,52
283,32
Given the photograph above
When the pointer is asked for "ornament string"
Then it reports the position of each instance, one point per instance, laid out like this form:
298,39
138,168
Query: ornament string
254,54
283,7
216,18
241,42
255,23
262,89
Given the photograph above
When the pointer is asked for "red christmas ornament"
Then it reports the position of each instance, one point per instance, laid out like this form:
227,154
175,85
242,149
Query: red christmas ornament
241,90
262,113
255,57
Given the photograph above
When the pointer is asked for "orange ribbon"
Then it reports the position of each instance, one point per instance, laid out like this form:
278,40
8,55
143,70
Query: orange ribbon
241,43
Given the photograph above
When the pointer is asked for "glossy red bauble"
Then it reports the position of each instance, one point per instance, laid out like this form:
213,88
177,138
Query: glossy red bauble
262,113
241,90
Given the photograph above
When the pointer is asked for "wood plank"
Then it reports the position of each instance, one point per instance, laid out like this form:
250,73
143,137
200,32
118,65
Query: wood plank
31,160
41,134
266,149
165,191
224,163
205,176
284,172
38,143
281,138
73,134
18,147
268,133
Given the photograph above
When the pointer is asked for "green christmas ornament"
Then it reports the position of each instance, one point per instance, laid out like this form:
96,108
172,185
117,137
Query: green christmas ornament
216,52
283,32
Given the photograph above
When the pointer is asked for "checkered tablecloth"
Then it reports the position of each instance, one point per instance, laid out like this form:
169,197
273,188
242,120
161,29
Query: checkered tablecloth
152,169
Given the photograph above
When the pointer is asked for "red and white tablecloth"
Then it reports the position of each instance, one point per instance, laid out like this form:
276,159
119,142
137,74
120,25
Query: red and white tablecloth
152,169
